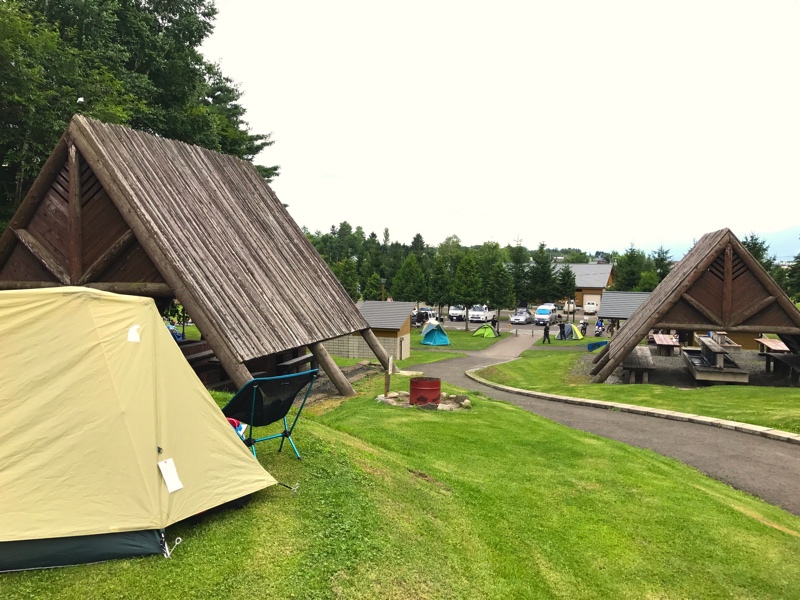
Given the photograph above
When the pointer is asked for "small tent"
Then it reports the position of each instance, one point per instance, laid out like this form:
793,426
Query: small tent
107,436
485,330
434,335
571,332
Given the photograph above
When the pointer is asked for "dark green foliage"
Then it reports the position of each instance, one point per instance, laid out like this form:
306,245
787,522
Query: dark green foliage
409,283
120,61
345,271
662,262
760,251
439,283
541,277
373,290
629,269
500,287
566,282
518,257
647,282
466,285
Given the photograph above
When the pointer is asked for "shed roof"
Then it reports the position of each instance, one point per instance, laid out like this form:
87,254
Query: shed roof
718,285
386,315
588,275
620,305
166,218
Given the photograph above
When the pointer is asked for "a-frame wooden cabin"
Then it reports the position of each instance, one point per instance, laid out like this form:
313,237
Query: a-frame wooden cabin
718,285
124,211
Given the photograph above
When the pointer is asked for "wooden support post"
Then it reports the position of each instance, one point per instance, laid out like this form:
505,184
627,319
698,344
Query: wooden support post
387,379
377,349
331,368
75,226
238,372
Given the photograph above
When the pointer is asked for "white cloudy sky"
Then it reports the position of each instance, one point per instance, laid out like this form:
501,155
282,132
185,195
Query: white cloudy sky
583,123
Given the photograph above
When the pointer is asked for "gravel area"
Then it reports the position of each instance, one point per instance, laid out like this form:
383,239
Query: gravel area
672,371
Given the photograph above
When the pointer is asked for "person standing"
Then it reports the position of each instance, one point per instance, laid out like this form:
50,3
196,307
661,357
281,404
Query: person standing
494,325
546,338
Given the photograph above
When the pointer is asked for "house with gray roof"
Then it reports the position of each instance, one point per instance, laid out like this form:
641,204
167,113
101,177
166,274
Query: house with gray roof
391,324
591,280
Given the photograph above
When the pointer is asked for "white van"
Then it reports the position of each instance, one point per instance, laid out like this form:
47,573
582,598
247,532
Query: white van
546,313
590,307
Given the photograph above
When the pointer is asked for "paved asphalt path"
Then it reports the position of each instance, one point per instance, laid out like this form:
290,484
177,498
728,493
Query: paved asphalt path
769,469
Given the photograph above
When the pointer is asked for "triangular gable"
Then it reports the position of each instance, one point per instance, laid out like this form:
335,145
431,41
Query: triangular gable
718,285
156,217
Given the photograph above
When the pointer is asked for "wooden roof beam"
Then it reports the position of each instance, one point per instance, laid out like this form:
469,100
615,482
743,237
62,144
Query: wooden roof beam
742,315
75,243
43,255
33,198
701,309
105,260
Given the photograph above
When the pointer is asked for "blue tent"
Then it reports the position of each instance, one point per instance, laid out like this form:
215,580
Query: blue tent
434,335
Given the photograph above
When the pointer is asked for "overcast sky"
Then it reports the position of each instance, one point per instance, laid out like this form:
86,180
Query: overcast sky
586,124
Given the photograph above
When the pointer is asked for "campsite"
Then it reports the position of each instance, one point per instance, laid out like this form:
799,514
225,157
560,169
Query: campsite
249,452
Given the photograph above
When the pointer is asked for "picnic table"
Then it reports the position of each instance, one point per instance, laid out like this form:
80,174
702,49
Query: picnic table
639,363
665,344
786,364
770,345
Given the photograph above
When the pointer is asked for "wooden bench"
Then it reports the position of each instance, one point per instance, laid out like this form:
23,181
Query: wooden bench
293,364
713,354
770,345
639,363
665,344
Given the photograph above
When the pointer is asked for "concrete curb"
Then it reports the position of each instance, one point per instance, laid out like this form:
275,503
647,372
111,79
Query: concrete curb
773,434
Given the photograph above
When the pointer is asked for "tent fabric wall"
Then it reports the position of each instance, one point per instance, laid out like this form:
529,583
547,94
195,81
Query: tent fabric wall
94,393
434,335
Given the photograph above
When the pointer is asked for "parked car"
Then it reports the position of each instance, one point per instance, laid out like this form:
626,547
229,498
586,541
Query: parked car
546,313
456,312
479,314
569,306
590,307
430,313
522,317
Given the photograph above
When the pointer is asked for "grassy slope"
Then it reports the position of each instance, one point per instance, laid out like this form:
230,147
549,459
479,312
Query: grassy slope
489,503
546,372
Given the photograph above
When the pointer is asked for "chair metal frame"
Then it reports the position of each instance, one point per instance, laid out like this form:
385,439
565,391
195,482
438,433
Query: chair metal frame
257,399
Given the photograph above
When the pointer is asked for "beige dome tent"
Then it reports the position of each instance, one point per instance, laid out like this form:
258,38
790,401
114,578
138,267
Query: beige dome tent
107,436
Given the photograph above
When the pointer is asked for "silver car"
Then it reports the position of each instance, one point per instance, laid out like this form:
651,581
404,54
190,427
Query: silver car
521,317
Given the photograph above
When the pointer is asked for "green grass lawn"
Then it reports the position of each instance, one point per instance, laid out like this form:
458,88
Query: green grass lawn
549,372
419,356
489,503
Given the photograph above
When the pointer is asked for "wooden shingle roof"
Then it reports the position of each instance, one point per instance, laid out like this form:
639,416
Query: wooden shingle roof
718,285
175,219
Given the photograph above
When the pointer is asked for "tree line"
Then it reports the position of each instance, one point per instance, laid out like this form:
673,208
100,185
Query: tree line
370,268
125,62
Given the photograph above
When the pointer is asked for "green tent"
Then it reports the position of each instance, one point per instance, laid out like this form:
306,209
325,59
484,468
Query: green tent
485,330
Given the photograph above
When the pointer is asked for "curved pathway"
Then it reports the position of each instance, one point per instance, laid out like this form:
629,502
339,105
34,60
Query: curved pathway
763,467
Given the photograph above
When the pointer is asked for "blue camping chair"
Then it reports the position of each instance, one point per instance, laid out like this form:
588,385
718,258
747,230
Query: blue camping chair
265,400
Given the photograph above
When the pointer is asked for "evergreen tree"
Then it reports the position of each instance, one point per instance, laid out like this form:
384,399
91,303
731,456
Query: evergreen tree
629,268
541,277
500,288
345,272
466,285
518,256
565,282
373,290
439,283
408,284
662,262
647,282
760,250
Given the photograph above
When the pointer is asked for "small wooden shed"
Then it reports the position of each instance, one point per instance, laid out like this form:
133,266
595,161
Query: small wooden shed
391,324
124,211
718,285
